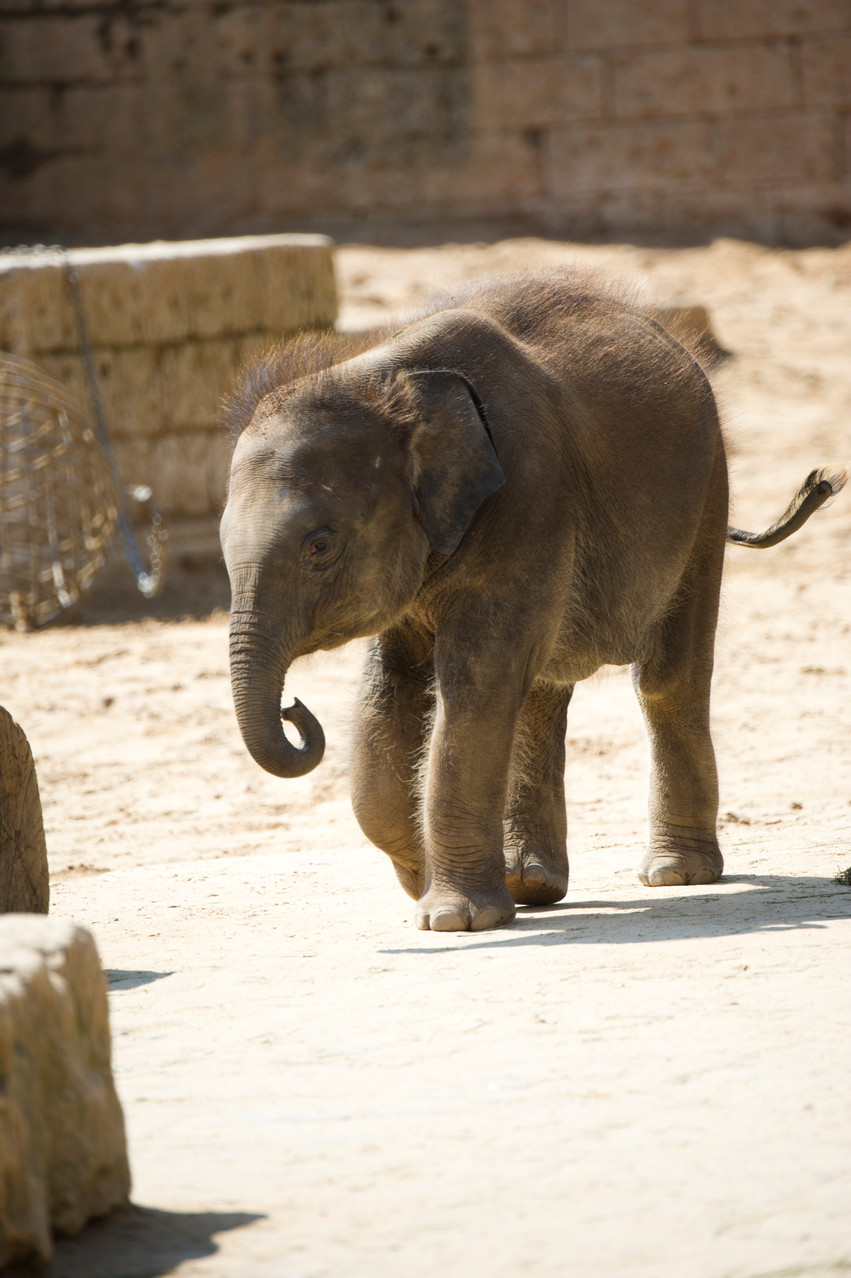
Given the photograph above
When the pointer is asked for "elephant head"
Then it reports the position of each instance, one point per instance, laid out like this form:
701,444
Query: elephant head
340,488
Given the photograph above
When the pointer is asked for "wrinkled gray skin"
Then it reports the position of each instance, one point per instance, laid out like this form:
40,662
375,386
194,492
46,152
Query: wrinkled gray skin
506,494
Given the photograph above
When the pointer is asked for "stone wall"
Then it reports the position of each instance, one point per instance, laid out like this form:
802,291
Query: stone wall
170,325
146,118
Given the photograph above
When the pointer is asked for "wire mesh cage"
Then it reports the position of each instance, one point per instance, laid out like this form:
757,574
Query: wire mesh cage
58,500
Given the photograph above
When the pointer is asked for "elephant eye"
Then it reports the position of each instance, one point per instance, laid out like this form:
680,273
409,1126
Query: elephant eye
318,547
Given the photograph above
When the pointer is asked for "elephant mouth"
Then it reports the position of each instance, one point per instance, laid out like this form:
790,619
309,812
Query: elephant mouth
340,635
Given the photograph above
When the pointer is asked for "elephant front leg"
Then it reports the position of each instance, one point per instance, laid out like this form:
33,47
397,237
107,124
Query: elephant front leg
468,767
394,711
536,866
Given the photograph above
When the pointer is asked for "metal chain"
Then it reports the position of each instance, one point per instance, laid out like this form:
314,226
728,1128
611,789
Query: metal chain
149,581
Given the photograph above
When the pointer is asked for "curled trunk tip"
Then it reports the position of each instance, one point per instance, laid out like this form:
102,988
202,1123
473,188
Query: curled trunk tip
259,661
309,729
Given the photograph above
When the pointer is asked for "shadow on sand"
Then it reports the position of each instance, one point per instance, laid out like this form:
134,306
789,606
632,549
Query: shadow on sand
136,1242
773,903
118,979
188,594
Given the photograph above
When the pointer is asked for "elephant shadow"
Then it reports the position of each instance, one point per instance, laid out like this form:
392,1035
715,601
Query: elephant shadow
136,1242
773,903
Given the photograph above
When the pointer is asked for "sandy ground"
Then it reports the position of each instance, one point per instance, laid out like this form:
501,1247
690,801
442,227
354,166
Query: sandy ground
630,1084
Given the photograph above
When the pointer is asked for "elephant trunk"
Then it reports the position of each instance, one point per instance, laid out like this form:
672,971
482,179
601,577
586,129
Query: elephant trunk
258,665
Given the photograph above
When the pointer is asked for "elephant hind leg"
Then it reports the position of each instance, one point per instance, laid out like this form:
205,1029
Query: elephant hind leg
536,866
673,691
683,844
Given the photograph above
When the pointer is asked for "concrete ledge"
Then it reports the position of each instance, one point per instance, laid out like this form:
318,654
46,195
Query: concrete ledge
170,326
168,292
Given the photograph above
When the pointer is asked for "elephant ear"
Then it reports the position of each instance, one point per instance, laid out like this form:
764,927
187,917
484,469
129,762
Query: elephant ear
455,462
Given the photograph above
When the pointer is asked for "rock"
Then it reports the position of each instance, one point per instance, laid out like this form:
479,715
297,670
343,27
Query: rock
63,1155
24,884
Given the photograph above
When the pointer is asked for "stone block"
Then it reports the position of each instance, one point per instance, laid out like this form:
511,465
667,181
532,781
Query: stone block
159,293
745,209
338,33
307,39
194,377
130,384
759,19
251,347
27,128
189,472
186,119
63,1157
134,459
625,24
669,212
24,882
500,176
245,114
500,171
428,31
816,213
537,93
628,155
363,111
826,69
503,28
209,288
795,147
224,183
170,326
30,192
40,47
35,310
90,6
126,116
219,453
204,43
702,80
124,123
139,190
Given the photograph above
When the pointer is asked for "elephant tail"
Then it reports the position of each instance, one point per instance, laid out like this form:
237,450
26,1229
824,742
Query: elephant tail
819,485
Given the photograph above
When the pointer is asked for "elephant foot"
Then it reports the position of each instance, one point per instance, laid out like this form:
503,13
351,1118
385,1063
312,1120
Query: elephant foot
531,881
443,910
681,859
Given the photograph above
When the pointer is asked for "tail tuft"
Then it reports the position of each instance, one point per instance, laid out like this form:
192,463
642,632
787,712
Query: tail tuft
827,480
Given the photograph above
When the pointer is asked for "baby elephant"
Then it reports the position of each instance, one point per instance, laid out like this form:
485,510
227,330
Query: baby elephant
523,486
